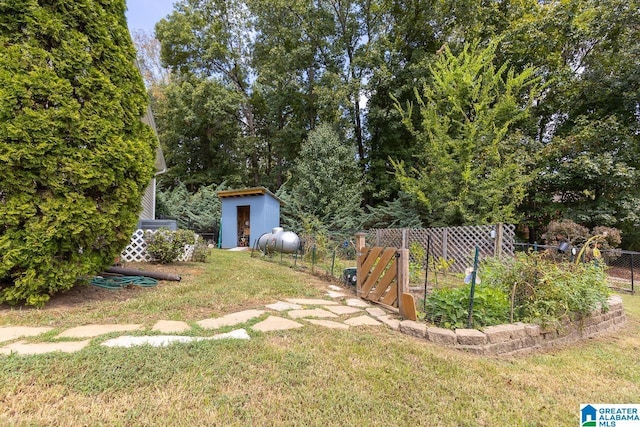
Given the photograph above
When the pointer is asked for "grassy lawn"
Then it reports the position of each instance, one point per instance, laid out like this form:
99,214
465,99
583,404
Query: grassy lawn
308,376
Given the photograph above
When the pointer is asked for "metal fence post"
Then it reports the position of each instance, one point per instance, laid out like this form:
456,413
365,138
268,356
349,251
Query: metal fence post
632,284
473,288
313,258
333,261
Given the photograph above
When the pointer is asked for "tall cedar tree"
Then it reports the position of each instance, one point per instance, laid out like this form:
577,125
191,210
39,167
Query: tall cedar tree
74,155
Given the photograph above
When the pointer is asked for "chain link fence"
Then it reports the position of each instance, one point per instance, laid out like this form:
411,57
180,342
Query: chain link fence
329,255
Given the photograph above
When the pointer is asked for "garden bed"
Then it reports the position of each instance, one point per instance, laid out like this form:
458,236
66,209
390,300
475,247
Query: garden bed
520,338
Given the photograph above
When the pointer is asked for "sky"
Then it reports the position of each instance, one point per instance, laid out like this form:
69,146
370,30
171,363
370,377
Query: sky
143,14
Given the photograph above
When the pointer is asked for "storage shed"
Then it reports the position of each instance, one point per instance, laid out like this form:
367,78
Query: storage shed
246,215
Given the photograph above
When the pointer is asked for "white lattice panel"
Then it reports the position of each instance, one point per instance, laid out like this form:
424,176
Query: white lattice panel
457,243
136,251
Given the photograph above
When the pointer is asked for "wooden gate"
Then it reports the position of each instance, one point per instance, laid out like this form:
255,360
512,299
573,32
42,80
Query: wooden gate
377,275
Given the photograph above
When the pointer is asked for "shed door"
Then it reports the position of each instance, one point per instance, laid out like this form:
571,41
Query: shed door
244,226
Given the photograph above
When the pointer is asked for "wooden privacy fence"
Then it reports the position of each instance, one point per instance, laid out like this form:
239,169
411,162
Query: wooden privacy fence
450,243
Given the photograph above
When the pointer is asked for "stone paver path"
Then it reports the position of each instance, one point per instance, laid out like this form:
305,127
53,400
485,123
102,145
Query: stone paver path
171,326
91,331
10,333
293,313
312,312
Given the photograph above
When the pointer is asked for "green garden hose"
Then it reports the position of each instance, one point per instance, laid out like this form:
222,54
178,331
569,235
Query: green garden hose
120,282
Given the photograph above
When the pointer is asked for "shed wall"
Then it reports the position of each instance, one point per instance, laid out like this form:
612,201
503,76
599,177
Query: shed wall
264,215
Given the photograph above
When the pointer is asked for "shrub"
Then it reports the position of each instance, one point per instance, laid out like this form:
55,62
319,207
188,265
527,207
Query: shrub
166,246
545,292
75,157
200,252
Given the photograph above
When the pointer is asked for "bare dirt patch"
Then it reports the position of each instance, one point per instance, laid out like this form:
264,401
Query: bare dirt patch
85,294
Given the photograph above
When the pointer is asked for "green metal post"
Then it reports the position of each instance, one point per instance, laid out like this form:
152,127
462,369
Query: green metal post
333,261
473,288
313,259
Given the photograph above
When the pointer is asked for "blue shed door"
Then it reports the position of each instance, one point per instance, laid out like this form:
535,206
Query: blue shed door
244,225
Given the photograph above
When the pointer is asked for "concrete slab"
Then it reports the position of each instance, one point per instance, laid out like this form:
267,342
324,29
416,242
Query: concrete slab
128,341
342,309
171,326
356,302
8,333
283,306
362,321
316,312
90,331
376,312
328,324
24,348
335,294
274,323
230,319
311,301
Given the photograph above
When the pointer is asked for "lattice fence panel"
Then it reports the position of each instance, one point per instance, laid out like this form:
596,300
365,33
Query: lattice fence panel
136,251
457,243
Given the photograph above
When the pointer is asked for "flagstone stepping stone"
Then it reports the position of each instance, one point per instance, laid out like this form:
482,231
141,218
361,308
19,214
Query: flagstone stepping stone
230,319
283,306
355,302
342,309
24,348
8,333
171,326
90,331
305,301
376,311
363,320
316,312
328,324
390,321
335,288
275,323
334,294
128,341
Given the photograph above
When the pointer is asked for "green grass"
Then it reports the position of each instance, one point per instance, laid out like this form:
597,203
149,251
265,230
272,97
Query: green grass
307,376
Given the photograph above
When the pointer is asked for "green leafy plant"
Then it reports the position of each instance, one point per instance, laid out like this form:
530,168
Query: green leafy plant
416,263
449,307
200,252
166,246
545,292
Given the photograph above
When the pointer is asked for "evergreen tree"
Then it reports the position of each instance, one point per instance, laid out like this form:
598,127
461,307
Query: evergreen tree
74,156
326,182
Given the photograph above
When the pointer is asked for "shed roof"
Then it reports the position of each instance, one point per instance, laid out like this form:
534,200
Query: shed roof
254,191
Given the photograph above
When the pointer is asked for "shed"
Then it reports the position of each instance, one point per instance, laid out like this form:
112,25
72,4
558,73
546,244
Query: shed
246,215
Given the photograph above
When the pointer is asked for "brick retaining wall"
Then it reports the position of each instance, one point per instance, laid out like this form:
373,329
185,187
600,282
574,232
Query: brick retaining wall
520,338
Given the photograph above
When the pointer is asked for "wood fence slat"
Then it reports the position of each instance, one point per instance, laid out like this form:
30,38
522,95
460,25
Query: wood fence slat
386,280
391,296
370,259
383,261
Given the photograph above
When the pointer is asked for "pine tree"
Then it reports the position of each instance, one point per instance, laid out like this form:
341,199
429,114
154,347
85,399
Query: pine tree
74,155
